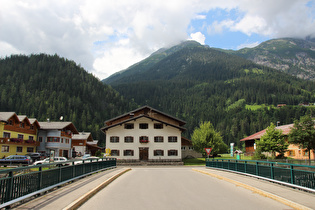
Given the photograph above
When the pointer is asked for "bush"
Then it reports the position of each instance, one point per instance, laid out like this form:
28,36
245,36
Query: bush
98,153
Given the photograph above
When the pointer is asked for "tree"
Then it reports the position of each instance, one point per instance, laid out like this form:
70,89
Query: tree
206,137
303,134
273,141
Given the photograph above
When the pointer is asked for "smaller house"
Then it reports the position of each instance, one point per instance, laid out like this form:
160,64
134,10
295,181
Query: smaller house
79,142
18,134
56,137
293,150
188,149
92,147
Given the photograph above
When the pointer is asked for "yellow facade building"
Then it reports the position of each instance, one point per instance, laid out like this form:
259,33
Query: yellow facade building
18,134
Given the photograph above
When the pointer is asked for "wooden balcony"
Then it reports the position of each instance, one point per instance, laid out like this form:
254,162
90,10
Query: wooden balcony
19,142
20,130
66,134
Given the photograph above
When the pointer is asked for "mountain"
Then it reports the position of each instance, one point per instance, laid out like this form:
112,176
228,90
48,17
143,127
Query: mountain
45,86
292,56
197,83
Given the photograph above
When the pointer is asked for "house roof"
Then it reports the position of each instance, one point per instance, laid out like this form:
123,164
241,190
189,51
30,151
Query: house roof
285,130
147,112
186,142
5,116
24,118
151,109
34,121
83,136
93,145
58,126
140,116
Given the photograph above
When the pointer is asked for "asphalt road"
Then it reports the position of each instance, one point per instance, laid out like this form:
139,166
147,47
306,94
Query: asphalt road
176,188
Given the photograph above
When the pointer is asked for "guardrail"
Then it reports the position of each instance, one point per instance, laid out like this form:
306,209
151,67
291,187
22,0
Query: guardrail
20,183
298,176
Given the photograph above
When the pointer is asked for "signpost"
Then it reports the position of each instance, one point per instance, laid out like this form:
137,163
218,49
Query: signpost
208,150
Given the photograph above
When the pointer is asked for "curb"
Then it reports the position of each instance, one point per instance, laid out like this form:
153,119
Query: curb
78,202
258,191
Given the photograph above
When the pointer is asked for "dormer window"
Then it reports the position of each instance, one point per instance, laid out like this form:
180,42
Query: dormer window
158,126
129,126
143,125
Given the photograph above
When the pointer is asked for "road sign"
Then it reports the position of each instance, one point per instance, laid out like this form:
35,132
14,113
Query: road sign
208,150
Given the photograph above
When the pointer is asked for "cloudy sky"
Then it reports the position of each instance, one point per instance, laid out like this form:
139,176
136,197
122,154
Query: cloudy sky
105,36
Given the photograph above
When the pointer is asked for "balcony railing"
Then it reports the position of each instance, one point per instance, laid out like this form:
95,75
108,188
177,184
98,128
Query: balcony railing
66,134
16,141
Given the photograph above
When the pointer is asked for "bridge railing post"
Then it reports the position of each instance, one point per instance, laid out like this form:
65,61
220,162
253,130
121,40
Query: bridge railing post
292,174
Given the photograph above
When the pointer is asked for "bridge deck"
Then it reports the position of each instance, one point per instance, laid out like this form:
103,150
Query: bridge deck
62,197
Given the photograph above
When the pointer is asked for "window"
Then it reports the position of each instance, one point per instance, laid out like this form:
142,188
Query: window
158,152
143,125
10,122
6,135
20,136
172,139
183,148
29,149
128,139
114,152
19,149
53,139
144,139
22,125
129,126
5,149
158,126
172,152
158,139
191,148
31,138
291,153
114,139
128,152
305,153
61,140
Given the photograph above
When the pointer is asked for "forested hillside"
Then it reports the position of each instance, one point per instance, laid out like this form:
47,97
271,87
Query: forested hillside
196,83
44,86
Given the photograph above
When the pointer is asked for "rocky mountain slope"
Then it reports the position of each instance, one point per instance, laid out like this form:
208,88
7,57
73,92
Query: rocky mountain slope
289,55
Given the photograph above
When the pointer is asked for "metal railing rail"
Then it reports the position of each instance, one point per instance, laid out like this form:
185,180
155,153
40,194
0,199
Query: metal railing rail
20,183
294,175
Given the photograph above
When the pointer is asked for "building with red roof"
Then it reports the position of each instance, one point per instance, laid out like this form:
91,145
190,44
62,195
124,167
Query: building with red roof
294,151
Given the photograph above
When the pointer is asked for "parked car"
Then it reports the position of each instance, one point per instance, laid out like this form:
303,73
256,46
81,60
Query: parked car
35,156
86,156
56,159
16,160
88,160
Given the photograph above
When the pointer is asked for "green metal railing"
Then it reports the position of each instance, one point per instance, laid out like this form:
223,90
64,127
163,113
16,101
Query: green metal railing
292,174
23,182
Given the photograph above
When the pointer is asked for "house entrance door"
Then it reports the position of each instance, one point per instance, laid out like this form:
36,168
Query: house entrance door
143,153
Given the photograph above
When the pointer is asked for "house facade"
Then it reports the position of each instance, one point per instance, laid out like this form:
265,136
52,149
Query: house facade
294,151
144,134
83,143
55,138
18,134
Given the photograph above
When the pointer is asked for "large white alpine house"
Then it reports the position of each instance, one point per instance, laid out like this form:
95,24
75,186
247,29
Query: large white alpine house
144,134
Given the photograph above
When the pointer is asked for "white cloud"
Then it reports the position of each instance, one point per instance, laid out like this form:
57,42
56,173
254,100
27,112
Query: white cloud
106,36
199,37
115,60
